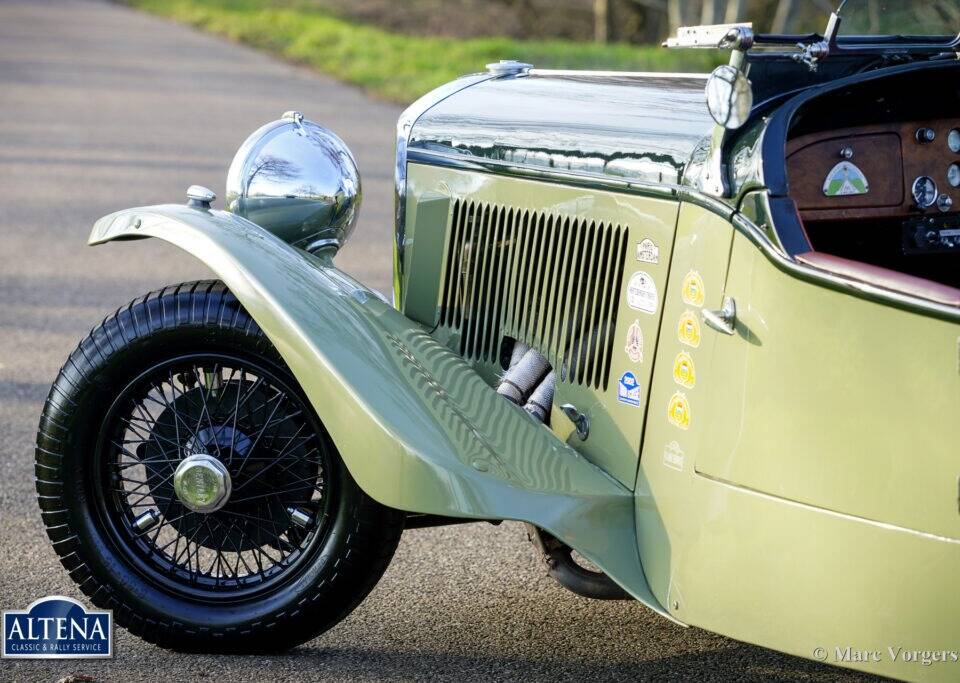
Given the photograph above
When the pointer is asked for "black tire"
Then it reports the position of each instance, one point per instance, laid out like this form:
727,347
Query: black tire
351,544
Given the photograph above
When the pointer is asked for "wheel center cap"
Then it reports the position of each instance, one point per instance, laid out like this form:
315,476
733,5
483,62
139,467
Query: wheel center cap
202,483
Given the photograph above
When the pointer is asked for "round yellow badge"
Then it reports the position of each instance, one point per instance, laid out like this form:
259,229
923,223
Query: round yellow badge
692,289
678,412
688,331
683,371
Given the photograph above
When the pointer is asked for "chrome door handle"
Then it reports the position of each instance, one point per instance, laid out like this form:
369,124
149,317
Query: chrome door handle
723,320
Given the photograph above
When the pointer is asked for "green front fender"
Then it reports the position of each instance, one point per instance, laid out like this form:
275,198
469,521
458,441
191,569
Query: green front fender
418,429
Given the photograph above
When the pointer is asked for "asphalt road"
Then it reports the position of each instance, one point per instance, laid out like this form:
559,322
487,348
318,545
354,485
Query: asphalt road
103,108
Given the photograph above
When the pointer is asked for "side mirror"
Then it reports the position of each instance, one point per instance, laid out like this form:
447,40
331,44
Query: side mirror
729,97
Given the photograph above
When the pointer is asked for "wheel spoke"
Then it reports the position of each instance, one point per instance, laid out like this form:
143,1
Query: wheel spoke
253,447
267,440
205,409
236,414
276,458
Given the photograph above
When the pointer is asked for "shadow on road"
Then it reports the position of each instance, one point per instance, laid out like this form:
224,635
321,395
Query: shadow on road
741,662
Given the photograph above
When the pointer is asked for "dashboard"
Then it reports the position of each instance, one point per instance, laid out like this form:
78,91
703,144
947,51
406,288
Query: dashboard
883,170
873,170
908,171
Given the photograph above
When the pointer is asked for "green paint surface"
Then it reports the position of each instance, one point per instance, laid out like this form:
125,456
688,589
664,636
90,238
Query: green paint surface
816,505
418,428
810,502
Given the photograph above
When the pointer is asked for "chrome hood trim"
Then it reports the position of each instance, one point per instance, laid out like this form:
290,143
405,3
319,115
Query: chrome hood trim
405,125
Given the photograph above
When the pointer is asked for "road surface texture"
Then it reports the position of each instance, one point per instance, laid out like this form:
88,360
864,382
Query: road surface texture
103,108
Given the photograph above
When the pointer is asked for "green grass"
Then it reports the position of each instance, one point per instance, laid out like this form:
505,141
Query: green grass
400,67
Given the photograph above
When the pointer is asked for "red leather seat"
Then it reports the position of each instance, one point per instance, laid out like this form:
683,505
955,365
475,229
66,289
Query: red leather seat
882,277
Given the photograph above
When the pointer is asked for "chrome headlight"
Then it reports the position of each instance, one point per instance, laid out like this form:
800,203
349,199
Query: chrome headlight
299,181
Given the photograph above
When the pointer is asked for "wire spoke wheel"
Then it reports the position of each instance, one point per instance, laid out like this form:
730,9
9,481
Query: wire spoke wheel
214,476
189,486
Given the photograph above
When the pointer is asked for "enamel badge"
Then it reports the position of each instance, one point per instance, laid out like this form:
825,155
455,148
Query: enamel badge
673,456
678,411
648,252
688,329
692,289
845,179
683,371
628,389
642,293
634,346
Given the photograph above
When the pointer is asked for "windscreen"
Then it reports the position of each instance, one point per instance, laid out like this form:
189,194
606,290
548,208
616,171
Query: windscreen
906,18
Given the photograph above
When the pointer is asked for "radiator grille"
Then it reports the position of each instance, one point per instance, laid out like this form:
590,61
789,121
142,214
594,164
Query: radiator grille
550,280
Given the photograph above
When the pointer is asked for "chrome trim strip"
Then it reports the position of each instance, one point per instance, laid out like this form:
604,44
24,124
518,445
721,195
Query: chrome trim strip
593,181
688,194
408,118
863,290
616,74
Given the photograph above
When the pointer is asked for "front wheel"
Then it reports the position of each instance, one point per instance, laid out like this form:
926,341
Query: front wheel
188,485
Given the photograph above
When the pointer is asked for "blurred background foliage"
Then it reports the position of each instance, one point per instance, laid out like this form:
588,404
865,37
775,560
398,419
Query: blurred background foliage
400,49
633,21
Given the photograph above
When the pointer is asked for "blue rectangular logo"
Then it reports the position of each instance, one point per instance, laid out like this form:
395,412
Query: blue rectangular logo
628,389
57,627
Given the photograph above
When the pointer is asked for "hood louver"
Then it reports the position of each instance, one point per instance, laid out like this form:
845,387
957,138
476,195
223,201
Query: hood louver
547,279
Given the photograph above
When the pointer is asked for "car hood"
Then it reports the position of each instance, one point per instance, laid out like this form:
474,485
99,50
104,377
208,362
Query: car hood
628,126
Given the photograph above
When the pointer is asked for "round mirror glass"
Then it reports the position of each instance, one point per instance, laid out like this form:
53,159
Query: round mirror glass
729,97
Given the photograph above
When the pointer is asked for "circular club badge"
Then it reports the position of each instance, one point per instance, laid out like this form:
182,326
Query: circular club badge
684,373
688,329
692,289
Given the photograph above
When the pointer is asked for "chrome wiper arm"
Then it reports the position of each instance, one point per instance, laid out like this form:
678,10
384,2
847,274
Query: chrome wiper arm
812,54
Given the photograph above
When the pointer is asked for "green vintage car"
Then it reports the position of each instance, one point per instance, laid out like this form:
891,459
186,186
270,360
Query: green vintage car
701,334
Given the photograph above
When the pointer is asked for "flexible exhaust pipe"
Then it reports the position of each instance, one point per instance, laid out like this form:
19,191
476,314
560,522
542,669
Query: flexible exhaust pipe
522,377
541,400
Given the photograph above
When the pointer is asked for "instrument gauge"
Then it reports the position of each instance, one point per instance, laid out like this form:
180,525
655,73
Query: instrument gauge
953,175
924,191
953,140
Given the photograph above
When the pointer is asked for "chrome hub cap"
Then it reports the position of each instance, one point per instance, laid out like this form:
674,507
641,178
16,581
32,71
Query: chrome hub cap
202,483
